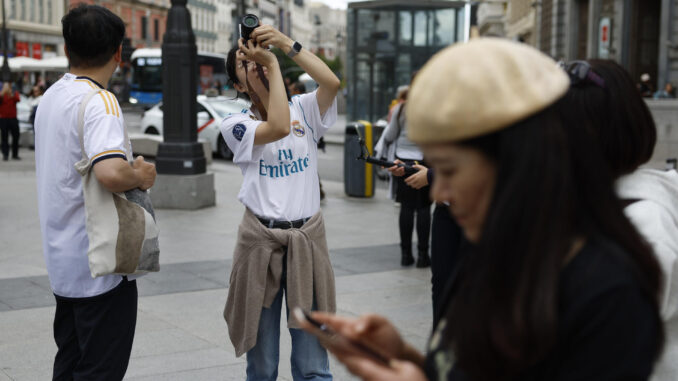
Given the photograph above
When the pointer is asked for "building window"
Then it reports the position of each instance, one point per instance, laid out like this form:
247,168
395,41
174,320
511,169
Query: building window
12,9
41,10
156,30
23,9
32,16
144,27
49,11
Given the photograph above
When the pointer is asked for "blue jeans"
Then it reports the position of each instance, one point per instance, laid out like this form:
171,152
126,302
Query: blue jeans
309,359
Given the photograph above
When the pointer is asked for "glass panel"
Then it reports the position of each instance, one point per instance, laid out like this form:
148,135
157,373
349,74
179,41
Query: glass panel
403,69
364,27
420,24
405,18
461,24
444,23
362,90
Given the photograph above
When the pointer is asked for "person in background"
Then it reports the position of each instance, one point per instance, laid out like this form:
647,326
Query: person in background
34,100
558,284
95,318
667,93
413,201
8,121
645,86
401,96
622,124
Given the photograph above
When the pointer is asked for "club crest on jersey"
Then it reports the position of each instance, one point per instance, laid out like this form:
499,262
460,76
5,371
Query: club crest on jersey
239,131
298,129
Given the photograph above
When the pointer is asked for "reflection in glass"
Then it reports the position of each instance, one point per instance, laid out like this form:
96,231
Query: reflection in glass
420,21
445,22
405,27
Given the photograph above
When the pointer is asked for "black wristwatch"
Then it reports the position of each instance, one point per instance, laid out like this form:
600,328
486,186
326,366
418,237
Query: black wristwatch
296,48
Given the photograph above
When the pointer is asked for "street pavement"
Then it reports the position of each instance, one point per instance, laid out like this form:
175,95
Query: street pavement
181,334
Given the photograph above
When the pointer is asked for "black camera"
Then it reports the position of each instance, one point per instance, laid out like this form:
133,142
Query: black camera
248,23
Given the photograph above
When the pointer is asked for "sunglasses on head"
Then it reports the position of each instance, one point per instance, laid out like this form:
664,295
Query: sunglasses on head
581,72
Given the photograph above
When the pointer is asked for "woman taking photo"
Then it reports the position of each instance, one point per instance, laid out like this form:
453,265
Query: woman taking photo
558,284
281,241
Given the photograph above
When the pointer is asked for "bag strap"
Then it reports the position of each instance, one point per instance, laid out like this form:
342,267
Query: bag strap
81,120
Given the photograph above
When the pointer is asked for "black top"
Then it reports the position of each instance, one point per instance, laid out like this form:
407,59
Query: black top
608,329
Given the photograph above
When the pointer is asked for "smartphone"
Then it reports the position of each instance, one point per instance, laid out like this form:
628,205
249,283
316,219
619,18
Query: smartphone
338,340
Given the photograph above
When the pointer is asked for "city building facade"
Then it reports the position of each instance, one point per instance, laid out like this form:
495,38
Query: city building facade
329,30
35,27
145,20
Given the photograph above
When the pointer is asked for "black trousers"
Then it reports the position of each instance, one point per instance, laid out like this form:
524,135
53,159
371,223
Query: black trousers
9,126
446,246
94,335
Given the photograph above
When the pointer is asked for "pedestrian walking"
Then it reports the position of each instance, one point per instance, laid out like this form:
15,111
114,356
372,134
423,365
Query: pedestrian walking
558,284
622,124
95,318
413,201
8,121
281,246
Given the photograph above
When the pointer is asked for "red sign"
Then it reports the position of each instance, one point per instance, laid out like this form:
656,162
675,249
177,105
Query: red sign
22,49
37,51
605,30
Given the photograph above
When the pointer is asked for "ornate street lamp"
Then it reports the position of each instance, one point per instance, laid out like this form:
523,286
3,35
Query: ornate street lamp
182,182
180,153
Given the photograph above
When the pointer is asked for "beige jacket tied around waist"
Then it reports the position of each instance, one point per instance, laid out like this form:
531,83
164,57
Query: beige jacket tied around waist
257,271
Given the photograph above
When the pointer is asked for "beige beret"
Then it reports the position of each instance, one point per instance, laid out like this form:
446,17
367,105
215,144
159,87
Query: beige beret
471,89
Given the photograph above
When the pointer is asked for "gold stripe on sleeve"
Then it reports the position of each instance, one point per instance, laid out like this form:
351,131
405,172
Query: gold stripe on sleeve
107,153
114,103
105,102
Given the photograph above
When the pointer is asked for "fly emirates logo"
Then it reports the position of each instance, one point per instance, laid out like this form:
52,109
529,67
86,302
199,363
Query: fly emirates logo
287,165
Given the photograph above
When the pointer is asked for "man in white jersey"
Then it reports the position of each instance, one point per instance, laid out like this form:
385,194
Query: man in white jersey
282,234
95,318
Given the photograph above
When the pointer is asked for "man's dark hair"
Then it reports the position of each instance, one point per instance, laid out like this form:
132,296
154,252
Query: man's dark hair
92,34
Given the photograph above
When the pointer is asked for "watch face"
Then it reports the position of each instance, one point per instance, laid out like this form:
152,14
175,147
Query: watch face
296,46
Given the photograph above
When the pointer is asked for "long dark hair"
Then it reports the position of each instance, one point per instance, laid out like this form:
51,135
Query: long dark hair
619,117
551,186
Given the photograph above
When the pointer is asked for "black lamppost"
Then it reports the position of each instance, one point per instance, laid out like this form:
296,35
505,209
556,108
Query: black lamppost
180,153
6,75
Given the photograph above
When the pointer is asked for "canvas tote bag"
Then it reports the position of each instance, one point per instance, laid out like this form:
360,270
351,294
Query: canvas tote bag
121,227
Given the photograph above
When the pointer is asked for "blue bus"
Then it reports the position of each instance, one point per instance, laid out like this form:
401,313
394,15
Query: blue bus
146,86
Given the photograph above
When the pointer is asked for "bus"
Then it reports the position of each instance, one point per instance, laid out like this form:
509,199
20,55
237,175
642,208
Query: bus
146,85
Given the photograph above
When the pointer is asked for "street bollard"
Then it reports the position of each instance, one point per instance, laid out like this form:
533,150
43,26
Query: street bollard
358,175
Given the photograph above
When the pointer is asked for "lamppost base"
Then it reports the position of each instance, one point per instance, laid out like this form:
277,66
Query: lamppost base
180,158
188,192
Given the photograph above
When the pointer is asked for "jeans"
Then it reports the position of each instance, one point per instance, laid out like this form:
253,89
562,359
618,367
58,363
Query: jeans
309,359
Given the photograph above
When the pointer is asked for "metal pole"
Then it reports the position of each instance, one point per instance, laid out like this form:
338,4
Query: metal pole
6,74
180,153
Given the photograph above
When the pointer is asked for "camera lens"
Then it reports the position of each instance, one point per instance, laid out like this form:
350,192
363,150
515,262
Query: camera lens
250,21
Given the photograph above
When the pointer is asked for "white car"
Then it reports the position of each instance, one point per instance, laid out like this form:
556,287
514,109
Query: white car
210,112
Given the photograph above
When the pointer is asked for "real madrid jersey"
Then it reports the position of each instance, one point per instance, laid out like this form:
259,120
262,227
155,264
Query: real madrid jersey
61,203
280,178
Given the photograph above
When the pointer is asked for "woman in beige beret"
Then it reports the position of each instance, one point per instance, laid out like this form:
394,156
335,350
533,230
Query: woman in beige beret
558,284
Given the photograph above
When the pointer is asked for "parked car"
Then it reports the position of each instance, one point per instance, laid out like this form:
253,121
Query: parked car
211,110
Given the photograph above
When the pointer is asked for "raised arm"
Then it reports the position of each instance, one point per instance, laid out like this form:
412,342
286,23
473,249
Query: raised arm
328,83
278,124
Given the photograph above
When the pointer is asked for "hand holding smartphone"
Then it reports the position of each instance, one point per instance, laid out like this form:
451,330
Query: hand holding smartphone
338,341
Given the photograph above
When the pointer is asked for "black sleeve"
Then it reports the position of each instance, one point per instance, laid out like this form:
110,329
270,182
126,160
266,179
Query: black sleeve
429,176
613,338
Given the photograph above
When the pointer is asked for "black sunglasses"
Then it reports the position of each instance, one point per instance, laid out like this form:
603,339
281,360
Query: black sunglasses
581,71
